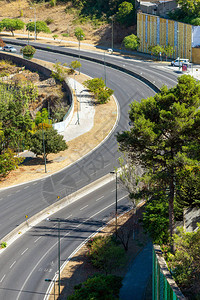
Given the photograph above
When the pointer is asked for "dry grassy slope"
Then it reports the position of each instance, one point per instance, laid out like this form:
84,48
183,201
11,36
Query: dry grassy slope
62,21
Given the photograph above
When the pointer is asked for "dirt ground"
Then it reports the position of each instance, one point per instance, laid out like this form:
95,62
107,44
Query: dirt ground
78,269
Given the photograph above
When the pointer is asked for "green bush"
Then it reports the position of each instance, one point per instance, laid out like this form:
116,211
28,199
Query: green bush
101,92
131,42
3,245
105,254
28,51
97,287
65,34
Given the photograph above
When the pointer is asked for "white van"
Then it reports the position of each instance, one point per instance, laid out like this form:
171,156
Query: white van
179,62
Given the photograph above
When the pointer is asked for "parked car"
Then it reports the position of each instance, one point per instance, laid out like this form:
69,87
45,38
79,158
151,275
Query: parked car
9,49
179,62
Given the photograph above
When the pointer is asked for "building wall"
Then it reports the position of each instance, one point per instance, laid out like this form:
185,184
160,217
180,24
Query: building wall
153,30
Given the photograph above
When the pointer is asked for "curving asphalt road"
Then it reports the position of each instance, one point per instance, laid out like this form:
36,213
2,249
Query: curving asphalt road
32,197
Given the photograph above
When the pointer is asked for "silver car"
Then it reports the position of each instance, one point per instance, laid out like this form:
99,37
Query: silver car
9,49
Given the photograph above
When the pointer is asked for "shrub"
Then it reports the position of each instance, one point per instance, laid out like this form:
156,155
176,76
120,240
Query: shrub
105,254
131,42
55,36
65,34
97,287
3,245
28,51
97,86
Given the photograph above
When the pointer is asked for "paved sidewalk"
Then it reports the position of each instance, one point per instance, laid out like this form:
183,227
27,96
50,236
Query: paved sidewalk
136,279
83,116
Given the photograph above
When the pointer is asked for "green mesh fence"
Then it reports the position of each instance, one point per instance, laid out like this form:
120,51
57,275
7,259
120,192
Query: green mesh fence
163,285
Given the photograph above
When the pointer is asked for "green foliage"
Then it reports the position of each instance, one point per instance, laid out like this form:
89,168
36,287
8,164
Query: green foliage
55,36
28,51
53,3
105,254
79,34
41,26
54,142
97,86
98,287
3,245
168,51
187,190
156,50
65,34
164,135
73,66
156,219
15,117
185,264
125,14
41,117
59,72
190,7
8,162
21,13
131,42
195,21
12,24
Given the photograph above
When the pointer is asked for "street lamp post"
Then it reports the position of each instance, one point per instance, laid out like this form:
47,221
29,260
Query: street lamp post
35,19
112,39
79,51
105,67
115,201
58,256
45,162
78,121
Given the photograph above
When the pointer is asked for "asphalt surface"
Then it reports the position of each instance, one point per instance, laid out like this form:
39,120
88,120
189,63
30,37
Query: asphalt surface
27,199
34,256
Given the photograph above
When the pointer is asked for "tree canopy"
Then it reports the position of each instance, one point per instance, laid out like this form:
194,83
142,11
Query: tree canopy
41,26
125,13
12,24
131,42
53,142
164,135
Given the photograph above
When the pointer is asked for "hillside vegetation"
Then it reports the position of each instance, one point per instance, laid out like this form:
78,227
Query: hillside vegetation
63,17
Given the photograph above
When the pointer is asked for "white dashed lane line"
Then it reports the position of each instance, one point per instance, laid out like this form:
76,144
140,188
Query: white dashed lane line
68,217
12,264
37,239
100,198
26,187
24,251
3,278
83,207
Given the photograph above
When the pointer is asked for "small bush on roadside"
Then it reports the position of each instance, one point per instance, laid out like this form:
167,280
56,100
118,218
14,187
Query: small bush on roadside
3,245
105,254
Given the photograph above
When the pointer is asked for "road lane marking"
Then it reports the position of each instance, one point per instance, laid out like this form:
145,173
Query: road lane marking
26,187
106,166
100,198
24,251
18,191
113,190
83,207
12,217
39,261
37,239
35,183
68,217
12,264
3,278
1,199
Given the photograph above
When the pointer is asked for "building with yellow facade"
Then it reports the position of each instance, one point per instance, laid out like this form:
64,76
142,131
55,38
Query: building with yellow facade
153,30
